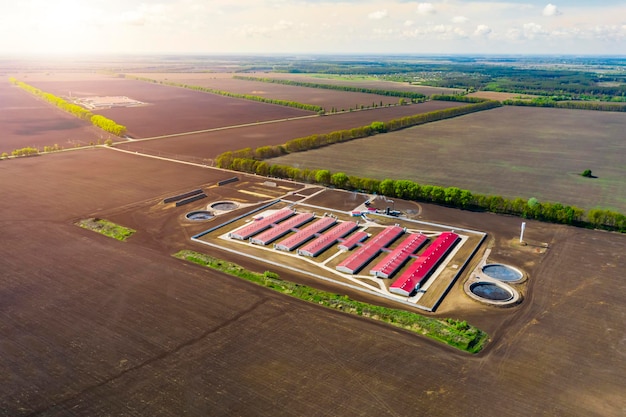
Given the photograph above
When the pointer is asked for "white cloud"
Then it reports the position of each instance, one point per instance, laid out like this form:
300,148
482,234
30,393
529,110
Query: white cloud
533,30
378,14
551,10
302,26
482,31
460,19
426,8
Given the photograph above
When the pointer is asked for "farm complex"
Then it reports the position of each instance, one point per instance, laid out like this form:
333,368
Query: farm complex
95,326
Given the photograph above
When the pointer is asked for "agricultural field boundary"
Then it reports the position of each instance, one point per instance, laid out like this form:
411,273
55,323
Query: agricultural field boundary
97,120
415,97
179,161
216,129
286,103
454,333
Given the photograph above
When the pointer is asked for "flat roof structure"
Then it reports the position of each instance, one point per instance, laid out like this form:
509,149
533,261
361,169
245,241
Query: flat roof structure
304,235
281,229
421,269
367,252
352,240
257,226
328,239
399,256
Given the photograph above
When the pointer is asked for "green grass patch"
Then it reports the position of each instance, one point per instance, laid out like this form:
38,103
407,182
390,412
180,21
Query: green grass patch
107,228
456,333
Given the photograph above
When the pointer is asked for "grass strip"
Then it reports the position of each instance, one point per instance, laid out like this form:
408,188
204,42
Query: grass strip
107,228
456,333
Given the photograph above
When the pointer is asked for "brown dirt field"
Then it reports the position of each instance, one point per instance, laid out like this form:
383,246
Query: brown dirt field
169,110
208,145
341,100
508,151
28,121
93,326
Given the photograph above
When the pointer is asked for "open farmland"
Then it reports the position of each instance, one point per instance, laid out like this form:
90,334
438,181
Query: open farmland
93,326
168,110
357,82
495,95
328,99
28,121
208,145
508,151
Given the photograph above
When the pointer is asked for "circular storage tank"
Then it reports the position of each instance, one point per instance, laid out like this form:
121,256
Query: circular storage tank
491,291
199,216
224,205
502,272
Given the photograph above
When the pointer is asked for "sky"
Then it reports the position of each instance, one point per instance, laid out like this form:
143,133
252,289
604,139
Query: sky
579,27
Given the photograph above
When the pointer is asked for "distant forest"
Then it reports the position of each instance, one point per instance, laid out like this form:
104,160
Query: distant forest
565,78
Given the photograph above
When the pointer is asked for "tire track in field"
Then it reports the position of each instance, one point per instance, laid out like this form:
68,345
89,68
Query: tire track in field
153,359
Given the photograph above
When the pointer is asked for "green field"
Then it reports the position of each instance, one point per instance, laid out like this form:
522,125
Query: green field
508,151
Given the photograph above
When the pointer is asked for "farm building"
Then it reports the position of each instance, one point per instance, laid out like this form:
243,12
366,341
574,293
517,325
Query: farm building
257,226
304,235
367,252
351,241
278,230
399,256
413,278
323,242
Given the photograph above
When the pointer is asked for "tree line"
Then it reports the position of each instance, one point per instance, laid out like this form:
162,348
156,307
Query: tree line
553,212
324,139
415,97
74,109
287,103
566,104
462,98
253,161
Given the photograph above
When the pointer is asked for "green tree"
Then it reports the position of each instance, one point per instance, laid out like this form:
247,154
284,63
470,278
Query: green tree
322,176
387,188
379,127
339,180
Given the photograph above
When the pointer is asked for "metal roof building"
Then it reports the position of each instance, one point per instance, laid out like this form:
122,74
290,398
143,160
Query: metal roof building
304,235
281,229
420,270
367,252
352,240
399,256
328,239
257,226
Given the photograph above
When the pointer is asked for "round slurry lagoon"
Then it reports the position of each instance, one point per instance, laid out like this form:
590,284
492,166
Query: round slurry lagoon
491,291
502,272
200,215
224,205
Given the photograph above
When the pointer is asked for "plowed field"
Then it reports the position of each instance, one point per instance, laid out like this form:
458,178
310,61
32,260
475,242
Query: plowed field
28,121
168,109
508,151
328,99
210,144
92,326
